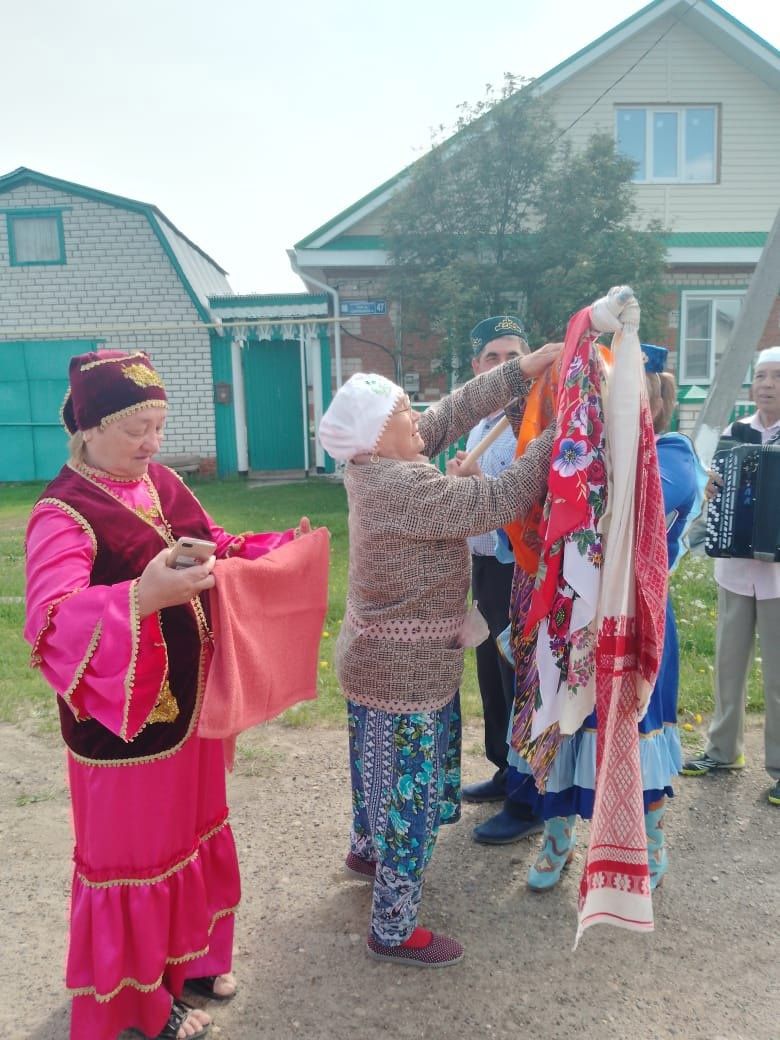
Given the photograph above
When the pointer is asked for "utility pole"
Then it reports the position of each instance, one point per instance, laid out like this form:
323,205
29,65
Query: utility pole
743,342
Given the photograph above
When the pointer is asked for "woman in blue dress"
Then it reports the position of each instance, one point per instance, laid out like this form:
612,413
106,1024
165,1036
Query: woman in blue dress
571,783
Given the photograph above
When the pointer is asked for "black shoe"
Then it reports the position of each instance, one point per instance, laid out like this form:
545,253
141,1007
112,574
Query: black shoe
179,1013
204,987
485,791
505,828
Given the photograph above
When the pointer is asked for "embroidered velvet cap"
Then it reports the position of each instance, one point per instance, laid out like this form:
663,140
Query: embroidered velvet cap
493,328
654,357
108,384
357,415
770,356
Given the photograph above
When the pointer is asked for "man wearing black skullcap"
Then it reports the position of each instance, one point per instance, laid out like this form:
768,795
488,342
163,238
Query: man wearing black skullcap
494,341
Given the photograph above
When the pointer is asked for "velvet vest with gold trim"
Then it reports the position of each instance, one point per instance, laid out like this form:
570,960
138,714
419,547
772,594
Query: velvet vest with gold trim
125,544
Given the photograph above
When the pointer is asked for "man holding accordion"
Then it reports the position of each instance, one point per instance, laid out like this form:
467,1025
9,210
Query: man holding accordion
748,603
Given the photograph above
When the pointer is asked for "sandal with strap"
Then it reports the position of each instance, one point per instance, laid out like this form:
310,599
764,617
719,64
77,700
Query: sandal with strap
179,1013
204,987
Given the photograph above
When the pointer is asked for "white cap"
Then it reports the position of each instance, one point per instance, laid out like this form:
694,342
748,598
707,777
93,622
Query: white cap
770,356
357,415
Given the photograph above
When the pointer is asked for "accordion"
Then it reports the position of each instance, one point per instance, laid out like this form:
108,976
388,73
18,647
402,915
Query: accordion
744,519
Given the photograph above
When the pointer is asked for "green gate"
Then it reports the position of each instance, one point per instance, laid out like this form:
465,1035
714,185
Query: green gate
33,381
274,404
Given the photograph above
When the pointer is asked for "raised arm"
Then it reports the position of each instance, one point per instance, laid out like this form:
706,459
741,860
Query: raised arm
456,414
443,506
249,544
453,416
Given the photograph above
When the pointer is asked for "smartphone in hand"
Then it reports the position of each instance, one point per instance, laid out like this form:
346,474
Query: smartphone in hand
190,551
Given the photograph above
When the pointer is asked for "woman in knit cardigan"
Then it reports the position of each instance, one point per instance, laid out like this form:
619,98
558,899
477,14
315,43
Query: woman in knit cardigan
400,649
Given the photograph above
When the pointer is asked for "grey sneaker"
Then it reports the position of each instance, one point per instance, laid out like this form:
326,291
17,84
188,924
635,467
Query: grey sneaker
703,764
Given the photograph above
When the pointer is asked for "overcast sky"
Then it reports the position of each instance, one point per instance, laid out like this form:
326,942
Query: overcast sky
251,122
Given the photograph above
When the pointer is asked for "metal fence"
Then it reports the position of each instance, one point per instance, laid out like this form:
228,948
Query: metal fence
741,409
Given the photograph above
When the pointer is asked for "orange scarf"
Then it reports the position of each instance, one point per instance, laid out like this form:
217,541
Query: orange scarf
525,533
267,616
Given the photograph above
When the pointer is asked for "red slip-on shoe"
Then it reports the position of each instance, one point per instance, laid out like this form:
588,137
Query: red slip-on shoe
365,869
423,949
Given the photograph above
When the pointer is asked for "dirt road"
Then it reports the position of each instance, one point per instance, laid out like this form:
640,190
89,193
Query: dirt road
710,970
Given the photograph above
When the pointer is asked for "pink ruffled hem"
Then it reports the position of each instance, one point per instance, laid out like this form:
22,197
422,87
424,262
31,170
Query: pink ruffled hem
133,942
149,1011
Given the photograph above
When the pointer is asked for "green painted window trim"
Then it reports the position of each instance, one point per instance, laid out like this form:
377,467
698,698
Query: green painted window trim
36,213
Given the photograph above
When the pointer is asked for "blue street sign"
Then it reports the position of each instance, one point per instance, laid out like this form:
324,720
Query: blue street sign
356,308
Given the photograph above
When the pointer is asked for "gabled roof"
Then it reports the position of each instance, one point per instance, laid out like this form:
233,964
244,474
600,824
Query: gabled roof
199,274
705,17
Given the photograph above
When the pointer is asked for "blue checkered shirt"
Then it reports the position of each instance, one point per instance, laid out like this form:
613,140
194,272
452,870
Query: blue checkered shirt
495,460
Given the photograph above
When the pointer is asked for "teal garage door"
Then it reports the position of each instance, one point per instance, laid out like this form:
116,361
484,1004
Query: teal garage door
274,406
33,381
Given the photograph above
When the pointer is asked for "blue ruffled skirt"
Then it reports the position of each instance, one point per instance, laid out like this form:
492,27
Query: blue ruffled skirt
572,780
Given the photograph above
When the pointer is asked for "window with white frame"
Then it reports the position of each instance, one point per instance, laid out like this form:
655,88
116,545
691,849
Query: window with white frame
669,144
708,320
35,237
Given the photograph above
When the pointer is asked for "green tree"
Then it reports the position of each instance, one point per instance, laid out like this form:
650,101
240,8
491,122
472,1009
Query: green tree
503,215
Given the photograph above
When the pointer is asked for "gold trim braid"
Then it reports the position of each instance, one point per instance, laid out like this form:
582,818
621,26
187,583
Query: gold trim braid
142,759
206,639
35,657
135,636
136,882
112,360
103,998
81,668
74,515
200,953
130,410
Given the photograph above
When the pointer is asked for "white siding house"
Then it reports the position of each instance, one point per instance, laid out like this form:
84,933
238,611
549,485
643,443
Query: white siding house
693,96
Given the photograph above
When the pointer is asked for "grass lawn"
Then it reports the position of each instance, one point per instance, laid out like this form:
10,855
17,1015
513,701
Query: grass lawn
25,697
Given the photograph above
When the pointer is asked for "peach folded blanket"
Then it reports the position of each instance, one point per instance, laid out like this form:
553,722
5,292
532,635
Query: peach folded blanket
267,616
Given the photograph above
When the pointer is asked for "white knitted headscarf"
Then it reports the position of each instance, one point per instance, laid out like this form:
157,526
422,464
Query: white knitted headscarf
358,415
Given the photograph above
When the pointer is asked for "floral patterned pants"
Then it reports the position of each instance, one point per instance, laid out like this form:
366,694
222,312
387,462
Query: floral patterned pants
405,781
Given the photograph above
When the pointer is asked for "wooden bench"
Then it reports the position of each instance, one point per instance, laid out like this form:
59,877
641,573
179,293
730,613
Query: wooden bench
181,463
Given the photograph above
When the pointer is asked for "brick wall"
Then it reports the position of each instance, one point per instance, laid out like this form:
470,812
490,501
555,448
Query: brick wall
422,355
117,274
369,343
359,339
713,278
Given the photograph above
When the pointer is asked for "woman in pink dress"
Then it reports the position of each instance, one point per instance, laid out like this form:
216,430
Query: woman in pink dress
124,640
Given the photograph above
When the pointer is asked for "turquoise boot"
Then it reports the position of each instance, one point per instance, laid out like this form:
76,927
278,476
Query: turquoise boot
657,859
557,852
